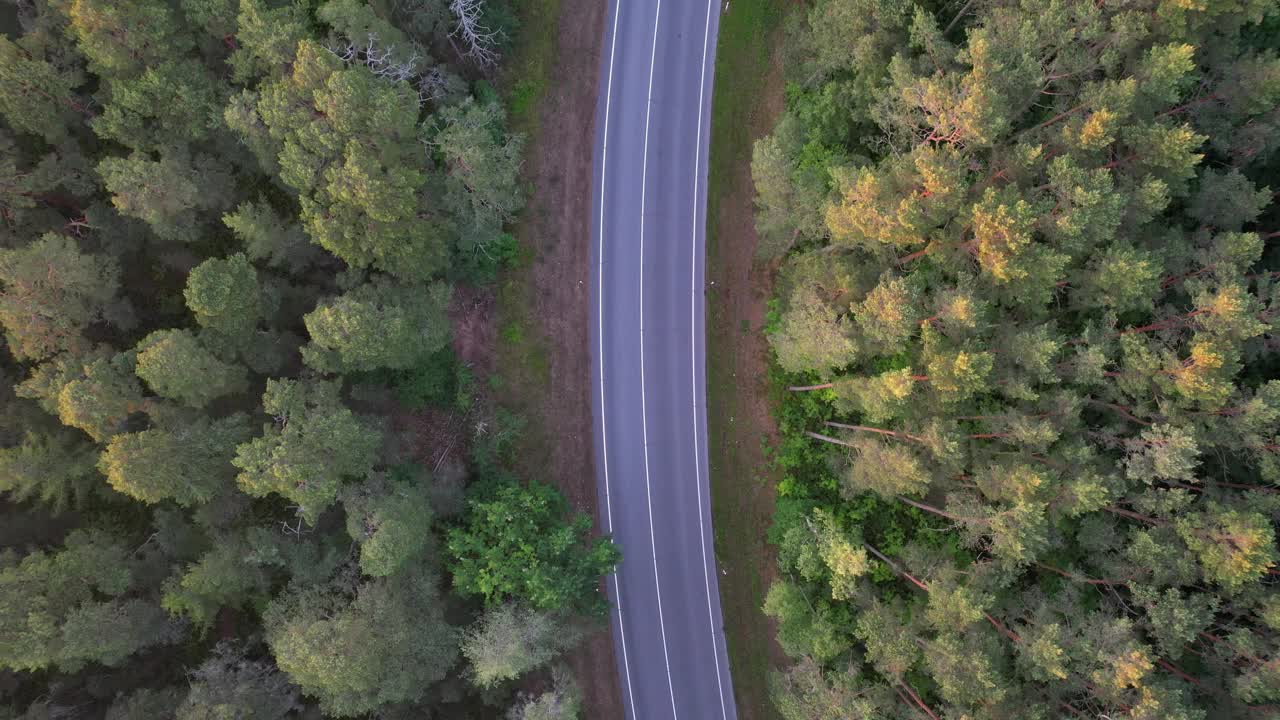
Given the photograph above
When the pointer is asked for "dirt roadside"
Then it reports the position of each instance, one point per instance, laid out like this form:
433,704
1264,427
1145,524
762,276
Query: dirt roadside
748,100
543,306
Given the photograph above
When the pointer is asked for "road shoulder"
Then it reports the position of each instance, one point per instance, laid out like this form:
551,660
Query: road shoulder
748,99
542,361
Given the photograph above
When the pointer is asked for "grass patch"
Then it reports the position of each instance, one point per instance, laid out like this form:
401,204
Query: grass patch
749,32
527,72
744,54
521,362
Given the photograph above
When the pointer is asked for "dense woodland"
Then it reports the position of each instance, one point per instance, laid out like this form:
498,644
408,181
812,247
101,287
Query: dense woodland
1025,339
229,232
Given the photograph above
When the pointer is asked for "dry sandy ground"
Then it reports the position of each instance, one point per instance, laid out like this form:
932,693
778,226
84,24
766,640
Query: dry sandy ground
739,413
557,226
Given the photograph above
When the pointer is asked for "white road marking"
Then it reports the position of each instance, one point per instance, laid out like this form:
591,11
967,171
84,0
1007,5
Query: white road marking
644,415
693,355
604,433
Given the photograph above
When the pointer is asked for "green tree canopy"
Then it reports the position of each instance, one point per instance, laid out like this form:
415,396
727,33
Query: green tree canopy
50,292
56,469
510,640
226,297
228,575
270,238
71,607
518,543
359,173
96,393
189,464
481,164
1028,449
386,516
357,647
379,324
169,105
121,40
173,194
37,96
312,445
175,365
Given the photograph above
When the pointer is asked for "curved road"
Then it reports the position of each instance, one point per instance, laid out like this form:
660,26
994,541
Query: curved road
648,365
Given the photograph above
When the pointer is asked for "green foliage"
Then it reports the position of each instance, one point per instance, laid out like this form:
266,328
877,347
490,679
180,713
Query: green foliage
190,464
517,543
268,37
55,469
386,517
223,576
96,393
175,365
170,104
438,380
188,189
313,445
225,297
121,40
812,333
805,627
510,640
71,607
805,692
356,647
378,325
1021,374
173,195
562,702
348,143
38,96
270,238
50,292
481,164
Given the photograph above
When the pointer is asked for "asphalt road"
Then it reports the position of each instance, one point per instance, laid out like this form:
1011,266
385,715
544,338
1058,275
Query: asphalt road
648,356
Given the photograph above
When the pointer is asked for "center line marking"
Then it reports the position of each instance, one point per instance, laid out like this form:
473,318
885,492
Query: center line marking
644,414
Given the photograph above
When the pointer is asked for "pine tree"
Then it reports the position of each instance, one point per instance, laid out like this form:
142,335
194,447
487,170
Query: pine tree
171,104
357,647
270,238
172,195
311,447
378,325
358,173
386,516
57,469
190,464
51,292
38,97
228,575
122,40
71,607
175,365
226,298
1053,406
481,164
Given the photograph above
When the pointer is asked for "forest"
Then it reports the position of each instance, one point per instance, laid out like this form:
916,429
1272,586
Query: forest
1024,359
230,231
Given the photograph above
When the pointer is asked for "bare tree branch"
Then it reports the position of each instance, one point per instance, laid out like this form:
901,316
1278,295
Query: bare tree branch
479,40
